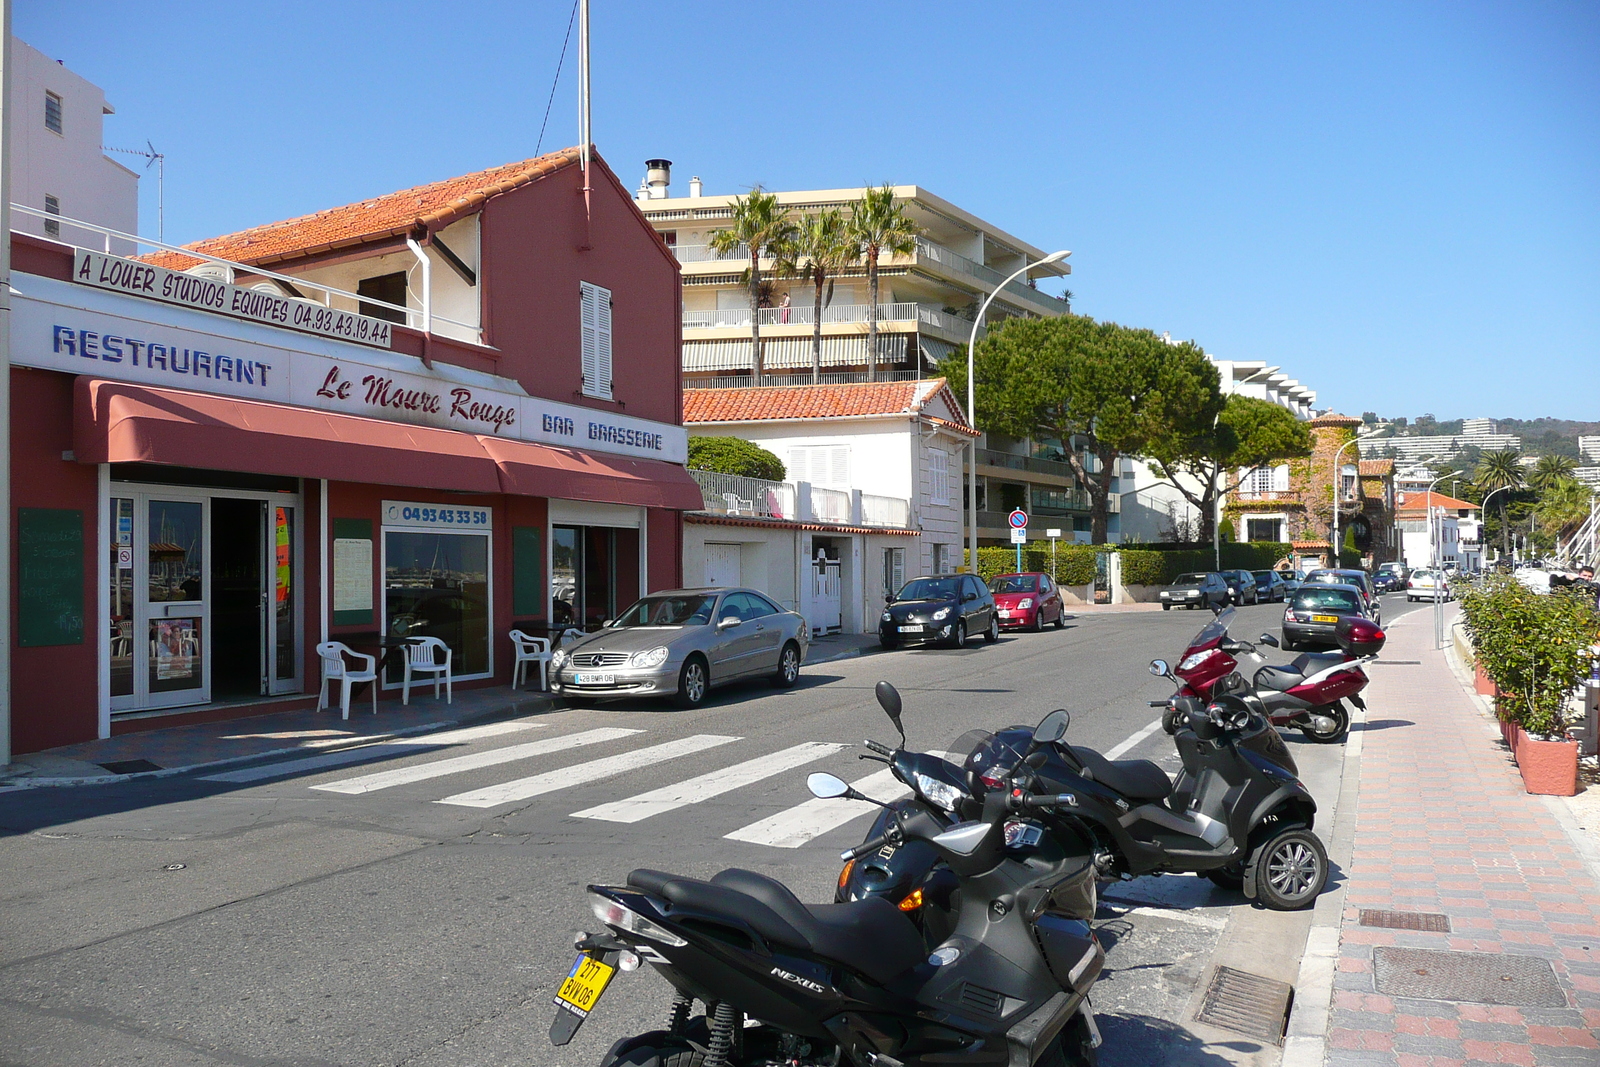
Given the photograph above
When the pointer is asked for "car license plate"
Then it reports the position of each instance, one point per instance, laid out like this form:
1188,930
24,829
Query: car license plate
1324,618
584,984
594,679
1004,614
913,629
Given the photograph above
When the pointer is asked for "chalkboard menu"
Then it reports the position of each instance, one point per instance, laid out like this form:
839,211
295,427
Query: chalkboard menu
49,577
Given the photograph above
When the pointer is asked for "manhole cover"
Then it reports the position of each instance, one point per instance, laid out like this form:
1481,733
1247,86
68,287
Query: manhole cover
130,766
1430,921
1246,1004
1478,977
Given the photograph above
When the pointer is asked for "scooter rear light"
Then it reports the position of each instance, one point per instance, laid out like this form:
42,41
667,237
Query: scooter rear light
991,781
913,901
617,915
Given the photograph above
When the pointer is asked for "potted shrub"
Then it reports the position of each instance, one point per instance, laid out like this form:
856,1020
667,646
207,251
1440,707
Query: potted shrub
1534,647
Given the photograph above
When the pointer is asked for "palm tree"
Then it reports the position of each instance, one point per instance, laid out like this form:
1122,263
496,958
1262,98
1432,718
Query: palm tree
1550,470
877,225
819,250
759,227
1500,470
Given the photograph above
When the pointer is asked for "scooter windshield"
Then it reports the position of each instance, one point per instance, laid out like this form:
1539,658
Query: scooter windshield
1213,631
993,756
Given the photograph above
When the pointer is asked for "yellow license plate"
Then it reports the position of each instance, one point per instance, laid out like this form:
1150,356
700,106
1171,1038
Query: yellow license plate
1324,618
584,984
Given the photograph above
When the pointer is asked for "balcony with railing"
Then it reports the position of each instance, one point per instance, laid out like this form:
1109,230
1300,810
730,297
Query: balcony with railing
762,498
830,505
735,494
1031,464
884,510
799,315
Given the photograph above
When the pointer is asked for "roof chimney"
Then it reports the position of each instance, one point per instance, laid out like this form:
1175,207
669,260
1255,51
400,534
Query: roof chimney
658,175
695,189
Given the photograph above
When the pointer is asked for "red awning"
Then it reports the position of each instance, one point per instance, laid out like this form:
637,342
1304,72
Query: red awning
119,423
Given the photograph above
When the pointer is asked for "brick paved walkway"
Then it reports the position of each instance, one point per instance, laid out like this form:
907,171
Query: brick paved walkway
1444,826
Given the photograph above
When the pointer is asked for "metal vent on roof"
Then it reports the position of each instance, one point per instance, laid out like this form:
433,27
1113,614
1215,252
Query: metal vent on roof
1476,977
1247,1004
1432,922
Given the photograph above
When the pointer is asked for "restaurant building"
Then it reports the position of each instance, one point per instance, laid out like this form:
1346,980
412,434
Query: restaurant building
450,411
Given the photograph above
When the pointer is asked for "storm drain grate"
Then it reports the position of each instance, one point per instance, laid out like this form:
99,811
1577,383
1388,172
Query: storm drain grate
1476,977
1246,1004
1430,921
131,766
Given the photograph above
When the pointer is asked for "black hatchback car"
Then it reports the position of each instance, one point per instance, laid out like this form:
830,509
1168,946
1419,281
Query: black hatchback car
946,609
1270,587
1313,614
1196,590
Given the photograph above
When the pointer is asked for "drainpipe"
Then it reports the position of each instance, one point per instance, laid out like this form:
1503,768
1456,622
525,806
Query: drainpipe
427,295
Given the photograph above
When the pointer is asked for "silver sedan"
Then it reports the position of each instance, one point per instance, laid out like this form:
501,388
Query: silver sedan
680,643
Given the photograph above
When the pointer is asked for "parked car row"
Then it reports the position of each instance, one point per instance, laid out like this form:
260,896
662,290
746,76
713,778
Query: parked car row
1215,589
950,609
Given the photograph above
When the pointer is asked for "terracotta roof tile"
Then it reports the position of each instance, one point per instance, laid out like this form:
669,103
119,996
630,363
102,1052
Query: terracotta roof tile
1334,419
429,207
865,399
1308,544
1424,500
1376,467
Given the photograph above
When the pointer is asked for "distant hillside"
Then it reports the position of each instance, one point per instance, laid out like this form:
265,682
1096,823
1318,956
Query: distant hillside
1539,436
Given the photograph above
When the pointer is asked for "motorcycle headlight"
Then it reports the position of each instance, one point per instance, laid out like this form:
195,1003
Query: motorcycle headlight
560,658
614,914
942,613
655,657
943,794
1191,662
1025,602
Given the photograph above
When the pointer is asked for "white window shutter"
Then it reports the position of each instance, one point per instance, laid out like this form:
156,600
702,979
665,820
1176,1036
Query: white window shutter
603,341
839,463
595,323
799,464
939,476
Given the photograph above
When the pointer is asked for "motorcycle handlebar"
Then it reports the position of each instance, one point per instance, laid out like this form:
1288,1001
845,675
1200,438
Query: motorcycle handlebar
862,849
1033,803
882,750
1159,703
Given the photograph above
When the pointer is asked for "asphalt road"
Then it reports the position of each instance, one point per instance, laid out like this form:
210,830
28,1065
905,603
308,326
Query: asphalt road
408,910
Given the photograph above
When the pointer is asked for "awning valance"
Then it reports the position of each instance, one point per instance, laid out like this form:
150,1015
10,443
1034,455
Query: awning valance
115,422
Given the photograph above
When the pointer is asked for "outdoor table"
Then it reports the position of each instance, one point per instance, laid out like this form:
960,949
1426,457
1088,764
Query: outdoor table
392,653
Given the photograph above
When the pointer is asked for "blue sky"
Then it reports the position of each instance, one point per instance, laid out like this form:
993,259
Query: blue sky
1397,202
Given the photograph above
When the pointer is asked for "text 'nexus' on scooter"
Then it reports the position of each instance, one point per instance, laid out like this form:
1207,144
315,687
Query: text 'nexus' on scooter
831,985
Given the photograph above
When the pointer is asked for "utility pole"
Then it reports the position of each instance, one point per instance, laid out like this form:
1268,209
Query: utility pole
7,589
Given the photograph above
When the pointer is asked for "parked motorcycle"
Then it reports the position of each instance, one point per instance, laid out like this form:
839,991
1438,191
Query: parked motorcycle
855,983
1306,694
1237,812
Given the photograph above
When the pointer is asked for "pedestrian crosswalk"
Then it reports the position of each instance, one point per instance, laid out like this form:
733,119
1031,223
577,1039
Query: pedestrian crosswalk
509,744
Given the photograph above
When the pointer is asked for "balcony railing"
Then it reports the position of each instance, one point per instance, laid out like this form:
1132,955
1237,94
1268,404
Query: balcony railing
745,381
830,505
884,510
1025,463
735,494
1265,494
798,315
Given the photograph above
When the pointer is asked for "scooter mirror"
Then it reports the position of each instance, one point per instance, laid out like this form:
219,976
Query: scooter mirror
1052,728
889,700
826,786
1268,639
1160,669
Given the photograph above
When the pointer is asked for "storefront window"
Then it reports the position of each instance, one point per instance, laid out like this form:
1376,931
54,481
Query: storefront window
283,593
594,573
175,574
437,585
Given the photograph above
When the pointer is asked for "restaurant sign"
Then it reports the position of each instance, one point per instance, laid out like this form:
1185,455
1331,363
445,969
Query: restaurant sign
207,294
50,331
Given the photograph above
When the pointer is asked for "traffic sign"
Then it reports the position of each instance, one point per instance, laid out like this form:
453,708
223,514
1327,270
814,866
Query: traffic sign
1052,532
1019,536
1018,519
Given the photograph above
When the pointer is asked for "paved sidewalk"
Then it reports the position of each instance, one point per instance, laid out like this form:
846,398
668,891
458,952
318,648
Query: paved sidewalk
1444,827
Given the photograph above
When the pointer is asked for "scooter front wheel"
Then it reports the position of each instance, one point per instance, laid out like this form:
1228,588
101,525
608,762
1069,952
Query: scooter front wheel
1341,725
1288,869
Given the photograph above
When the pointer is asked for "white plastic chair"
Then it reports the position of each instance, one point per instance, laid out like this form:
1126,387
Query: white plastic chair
420,660
334,668
530,650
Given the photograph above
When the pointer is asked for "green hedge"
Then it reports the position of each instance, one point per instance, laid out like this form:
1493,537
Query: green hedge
1148,566
1074,563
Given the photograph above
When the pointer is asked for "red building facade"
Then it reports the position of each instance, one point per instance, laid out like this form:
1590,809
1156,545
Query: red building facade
216,469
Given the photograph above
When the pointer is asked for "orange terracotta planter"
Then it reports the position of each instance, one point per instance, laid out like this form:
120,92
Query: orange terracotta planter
1481,682
1549,768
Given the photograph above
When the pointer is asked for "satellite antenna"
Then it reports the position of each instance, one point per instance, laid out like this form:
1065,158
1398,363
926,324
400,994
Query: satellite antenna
160,160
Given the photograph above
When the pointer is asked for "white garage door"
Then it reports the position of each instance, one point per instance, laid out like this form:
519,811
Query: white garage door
722,565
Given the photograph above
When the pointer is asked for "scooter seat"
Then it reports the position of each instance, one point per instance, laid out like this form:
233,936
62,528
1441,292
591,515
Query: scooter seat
1136,778
1281,679
871,936
1309,663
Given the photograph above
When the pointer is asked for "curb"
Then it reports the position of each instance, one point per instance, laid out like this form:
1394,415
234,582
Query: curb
341,745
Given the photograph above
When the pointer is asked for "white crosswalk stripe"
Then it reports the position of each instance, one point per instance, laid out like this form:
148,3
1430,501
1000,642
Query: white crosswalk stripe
706,786
801,823
585,773
397,746
367,783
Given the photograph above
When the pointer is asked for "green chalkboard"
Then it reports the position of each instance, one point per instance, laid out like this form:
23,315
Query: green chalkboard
49,577
527,571
352,572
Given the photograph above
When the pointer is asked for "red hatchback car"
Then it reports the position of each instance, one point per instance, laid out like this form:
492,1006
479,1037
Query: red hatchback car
1027,601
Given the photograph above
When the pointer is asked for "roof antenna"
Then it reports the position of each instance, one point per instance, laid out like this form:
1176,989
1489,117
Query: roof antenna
160,160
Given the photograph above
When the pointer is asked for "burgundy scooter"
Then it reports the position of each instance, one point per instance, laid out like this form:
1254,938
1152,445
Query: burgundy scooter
1307,694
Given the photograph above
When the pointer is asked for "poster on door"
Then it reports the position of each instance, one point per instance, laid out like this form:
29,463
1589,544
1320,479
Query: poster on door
175,648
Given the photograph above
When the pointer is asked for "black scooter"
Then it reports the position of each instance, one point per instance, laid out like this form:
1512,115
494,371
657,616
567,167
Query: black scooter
854,984
1237,813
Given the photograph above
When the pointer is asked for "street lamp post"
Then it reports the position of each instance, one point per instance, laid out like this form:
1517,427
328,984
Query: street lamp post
1437,537
1484,504
1216,502
972,413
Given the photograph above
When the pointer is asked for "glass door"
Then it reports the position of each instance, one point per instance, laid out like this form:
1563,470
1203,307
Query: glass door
159,601
280,663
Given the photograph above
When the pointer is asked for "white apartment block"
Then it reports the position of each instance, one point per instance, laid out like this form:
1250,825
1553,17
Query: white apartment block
57,165
1589,451
1440,448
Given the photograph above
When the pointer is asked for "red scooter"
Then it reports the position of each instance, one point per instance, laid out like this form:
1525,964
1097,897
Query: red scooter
1306,694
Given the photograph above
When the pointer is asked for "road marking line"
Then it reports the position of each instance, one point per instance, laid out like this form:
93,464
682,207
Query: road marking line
399,746
1133,742
584,773
1193,918
797,825
367,783
694,790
